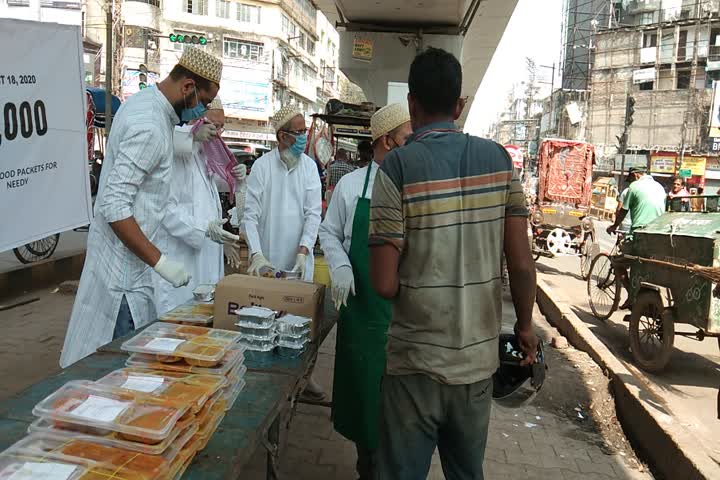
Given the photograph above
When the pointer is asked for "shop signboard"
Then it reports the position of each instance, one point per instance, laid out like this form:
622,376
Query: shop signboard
685,173
362,49
663,163
714,120
696,165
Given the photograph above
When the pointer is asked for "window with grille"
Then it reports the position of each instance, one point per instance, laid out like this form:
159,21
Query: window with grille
248,13
242,49
285,24
223,8
197,7
311,46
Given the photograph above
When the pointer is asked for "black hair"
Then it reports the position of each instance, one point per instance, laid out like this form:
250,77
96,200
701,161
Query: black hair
435,81
179,72
682,180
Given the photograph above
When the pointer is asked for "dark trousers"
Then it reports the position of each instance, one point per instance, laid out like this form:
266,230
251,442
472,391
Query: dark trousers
366,463
419,414
124,323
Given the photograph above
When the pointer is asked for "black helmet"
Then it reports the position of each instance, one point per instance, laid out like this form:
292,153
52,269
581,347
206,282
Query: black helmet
515,385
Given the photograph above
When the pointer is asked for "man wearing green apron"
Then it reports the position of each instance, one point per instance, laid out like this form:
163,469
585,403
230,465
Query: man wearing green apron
364,316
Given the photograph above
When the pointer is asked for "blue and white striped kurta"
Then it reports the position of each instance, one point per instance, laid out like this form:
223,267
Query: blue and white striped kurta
135,182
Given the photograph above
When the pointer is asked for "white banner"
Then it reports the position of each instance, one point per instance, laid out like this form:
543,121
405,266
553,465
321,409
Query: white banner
44,186
644,76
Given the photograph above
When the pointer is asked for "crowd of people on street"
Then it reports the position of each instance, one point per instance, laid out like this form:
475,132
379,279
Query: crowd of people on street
414,239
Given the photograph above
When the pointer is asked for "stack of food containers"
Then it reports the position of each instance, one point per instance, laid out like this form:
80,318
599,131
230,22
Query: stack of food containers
198,311
293,335
257,328
144,422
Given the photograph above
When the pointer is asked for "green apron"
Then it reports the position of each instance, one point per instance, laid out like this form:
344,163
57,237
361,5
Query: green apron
361,338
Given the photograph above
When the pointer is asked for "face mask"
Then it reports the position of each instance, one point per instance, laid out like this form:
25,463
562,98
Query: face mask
198,111
300,143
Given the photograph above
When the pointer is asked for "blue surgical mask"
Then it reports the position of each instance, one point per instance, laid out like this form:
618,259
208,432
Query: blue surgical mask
300,143
198,111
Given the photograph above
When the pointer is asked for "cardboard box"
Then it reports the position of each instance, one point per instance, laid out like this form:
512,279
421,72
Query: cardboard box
291,296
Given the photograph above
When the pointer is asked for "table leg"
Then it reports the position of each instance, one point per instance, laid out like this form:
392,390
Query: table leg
272,445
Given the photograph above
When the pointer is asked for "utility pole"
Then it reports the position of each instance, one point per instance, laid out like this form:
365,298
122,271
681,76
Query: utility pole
145,44
108,66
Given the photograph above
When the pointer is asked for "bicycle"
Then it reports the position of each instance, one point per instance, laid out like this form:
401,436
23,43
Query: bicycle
603,286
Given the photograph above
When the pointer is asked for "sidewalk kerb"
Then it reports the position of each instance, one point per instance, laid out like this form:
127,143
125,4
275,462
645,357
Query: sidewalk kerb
671,449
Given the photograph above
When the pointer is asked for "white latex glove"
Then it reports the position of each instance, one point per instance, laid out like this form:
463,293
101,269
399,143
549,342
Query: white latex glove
218,235
300,264
240,195
258,262
172,271
239,171
205,132
343,284
232,254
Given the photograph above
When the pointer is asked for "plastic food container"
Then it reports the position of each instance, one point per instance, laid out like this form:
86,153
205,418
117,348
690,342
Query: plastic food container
292,342
236,375
204,293
85,404
188,389
18,465
232,393
183,431
258,333
184,458
127,463
289,275
293,325
259,317
191,313
234,357
258,345
198,346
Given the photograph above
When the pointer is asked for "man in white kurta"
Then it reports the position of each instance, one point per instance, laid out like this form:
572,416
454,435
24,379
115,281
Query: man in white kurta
116,292
283,203
194,205
390,129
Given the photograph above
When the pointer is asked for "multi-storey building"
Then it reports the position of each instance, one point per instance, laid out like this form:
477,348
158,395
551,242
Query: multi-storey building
654,72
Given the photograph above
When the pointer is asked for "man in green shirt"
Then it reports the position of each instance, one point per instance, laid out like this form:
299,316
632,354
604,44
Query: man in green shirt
644,202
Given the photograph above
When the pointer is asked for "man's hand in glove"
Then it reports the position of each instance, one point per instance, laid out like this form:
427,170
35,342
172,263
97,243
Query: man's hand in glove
257,263
239,171
205,132
232,254
172,271
343,284
300,262
219,235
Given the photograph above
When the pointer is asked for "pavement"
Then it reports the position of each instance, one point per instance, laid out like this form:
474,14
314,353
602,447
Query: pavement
687,389
544,440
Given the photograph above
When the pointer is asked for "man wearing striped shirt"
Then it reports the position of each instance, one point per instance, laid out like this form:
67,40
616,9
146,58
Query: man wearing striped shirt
445,207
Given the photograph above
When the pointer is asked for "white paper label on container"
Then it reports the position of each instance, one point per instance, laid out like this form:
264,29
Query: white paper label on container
166,345
42,471
143,384
100,409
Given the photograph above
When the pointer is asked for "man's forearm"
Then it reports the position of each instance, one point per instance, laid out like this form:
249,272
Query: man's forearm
128,231
619,217
523,286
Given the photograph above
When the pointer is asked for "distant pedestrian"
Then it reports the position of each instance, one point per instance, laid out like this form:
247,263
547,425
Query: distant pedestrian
336,170
679,191
365,154
444,208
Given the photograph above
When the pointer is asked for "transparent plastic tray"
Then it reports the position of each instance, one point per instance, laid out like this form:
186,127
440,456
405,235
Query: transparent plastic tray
292,342
256,316
18,465
232,393
191,313
257,333
211,429
184,428
169,387
234,357
204,415
136,419
293,325
236,375
202,347
258,345
184,458
132,464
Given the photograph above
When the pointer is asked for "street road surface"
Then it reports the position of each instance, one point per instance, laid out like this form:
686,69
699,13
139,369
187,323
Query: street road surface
689,384
71,243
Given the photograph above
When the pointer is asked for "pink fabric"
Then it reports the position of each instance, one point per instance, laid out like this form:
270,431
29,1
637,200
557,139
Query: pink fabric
218,158
565,170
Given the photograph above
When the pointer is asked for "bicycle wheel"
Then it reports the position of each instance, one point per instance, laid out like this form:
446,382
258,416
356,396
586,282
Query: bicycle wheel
603,287
588,252
37,250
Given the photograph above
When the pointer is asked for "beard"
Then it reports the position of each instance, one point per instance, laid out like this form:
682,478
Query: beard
289,158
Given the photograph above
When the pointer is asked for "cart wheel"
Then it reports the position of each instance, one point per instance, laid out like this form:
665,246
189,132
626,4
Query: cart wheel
38,250
652,332
588,252
603,287
537,257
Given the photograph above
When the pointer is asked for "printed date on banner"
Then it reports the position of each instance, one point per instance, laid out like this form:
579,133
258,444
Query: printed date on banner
6,80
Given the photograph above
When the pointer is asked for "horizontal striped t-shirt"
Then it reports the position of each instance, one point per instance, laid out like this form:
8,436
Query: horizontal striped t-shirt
442,200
